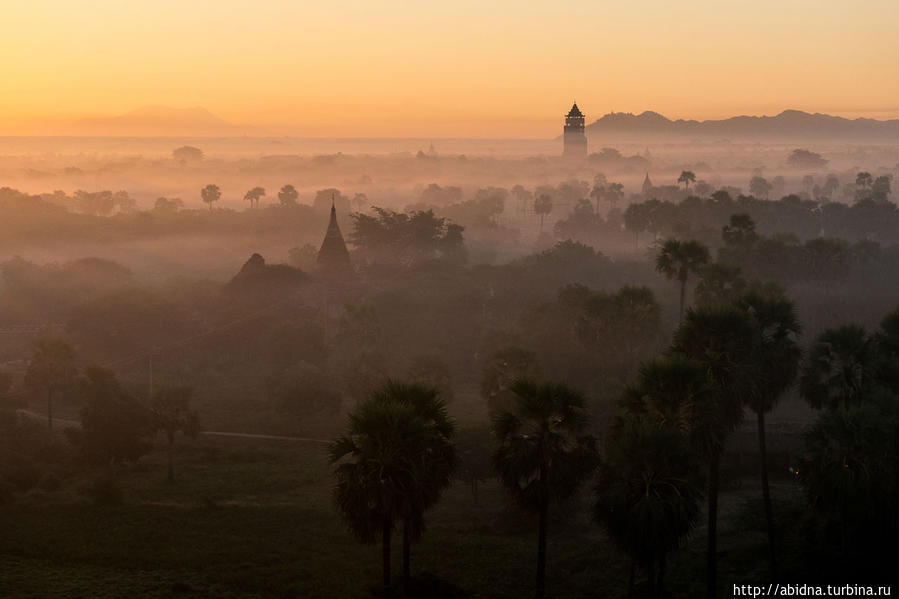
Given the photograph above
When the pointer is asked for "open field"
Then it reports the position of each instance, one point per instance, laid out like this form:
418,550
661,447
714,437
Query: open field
253,518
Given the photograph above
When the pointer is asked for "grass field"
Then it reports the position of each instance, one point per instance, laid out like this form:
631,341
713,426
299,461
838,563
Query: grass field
253,518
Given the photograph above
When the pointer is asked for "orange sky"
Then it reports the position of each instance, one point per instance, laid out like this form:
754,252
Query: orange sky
459,68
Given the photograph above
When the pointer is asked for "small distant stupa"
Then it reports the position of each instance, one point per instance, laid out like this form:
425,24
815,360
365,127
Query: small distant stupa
647,185
333,257
574,138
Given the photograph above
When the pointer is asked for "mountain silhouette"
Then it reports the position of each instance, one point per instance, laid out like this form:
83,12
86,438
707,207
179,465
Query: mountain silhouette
161,121
789,123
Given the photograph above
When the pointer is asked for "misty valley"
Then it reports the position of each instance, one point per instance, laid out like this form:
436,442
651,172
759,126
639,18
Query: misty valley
662,366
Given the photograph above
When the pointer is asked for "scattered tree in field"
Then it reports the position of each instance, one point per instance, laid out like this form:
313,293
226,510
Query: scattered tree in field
171,414
391,464
51,370
288,195
543,205
677,259
806,159
544,454
759,187
186,154
776,363
723,341
254,195
115,427
687,177
210,194
648,484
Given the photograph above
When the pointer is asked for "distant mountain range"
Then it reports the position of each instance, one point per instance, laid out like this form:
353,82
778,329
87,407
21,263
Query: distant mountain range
162,121
787,124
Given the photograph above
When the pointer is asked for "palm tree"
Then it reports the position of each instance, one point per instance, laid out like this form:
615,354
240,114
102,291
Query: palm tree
677,259
841,368
647,496
435,464
543,454
777,363
647,492
687,177
254,195
171,413
543,205
391,465
723,340
210,194
50,370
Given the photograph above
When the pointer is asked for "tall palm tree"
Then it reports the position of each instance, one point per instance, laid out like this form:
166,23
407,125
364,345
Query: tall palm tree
841,368
677,259
723,340
434,465
51,370
687,177
647,492
777,363
543,205
391,465
543,454
171,413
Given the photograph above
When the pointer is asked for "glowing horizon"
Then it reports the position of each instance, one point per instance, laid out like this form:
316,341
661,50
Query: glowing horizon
459,69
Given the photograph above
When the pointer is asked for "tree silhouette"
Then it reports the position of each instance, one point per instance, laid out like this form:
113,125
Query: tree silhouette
50,370
759,187
391,464
543,454
543,205
841,368
186,154
171,414
434,463
677,259
648,486
115,427
864,180
254,195
687,177
723,340
647,496
288,195
211,194
777,364
636,220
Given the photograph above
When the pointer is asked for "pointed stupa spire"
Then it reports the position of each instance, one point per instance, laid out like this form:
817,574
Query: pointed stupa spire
333,257
647,184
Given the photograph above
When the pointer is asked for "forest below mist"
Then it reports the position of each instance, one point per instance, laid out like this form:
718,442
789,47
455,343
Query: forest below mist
473,277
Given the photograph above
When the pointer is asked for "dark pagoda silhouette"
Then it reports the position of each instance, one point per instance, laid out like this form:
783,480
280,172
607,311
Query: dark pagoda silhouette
333,257
573,137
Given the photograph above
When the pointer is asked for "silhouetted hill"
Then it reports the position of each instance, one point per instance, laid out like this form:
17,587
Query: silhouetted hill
789,123
161,121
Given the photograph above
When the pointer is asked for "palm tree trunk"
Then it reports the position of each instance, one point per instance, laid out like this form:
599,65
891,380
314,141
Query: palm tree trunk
630,579
406,551
171,451
712,556
541,224
683,292
385,556
660,581
49,409
541,550
766,493
651,578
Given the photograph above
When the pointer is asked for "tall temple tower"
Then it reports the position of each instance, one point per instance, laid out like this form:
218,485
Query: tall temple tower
573,137
333,257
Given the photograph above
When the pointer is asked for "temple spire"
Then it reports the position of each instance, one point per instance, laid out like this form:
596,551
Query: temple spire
333,257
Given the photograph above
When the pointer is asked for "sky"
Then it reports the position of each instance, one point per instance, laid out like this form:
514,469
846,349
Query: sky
461,68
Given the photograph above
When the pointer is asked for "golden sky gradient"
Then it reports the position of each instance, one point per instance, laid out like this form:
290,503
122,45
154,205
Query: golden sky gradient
461,68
